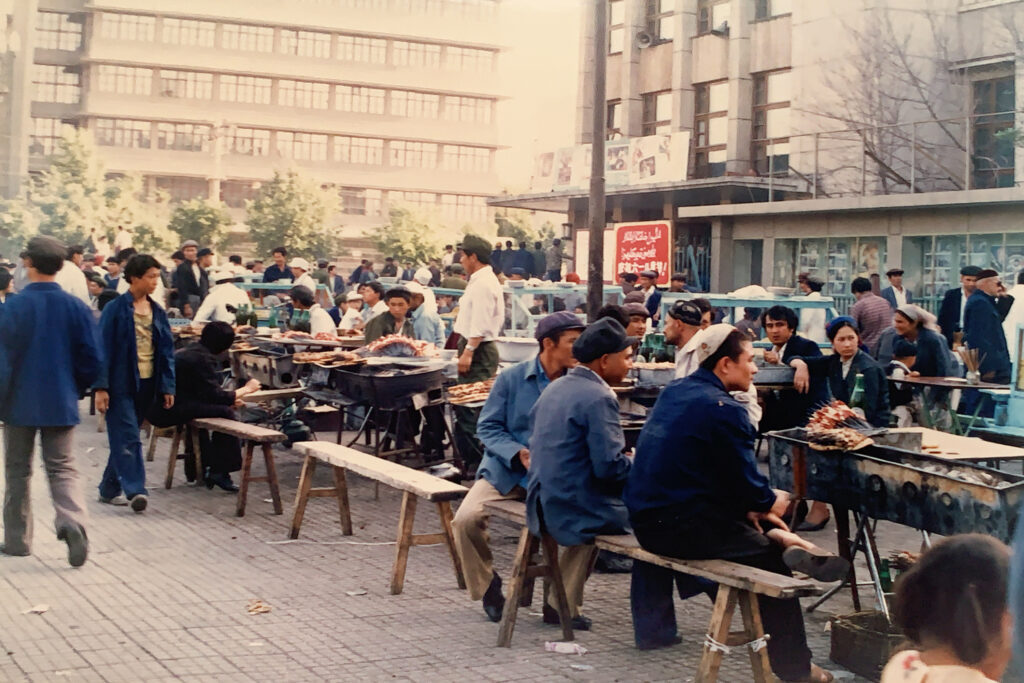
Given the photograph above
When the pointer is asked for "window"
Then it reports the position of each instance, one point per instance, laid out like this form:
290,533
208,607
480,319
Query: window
415,104
366,50
183,137
423,55
467,109
713,16
45,135
190,85
466,159
127,27
613,121
408,154
248,38
659,19
124,80
302,146
417,199
361,202
56,31
463,207
469,59
189,32
183,188
766,9
123,133
358,99
235,193
306,43
770,133
616,26
992,137
252,142
248,89
303,94
54,84
351,150
711,129
657,113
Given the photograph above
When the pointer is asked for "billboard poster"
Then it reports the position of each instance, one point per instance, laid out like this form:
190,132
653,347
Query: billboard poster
543,173
644,246
581,162
658,158
616,163
563,168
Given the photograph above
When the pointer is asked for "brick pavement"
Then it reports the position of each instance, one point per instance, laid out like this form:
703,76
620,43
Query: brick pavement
164,598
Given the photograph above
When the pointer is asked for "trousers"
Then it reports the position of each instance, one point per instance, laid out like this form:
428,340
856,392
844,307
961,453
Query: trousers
126,471
65,490
472,540
484,366
221,453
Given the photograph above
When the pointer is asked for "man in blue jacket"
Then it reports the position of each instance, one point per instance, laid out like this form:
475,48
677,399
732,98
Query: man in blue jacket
49,355
983,329
504,429
577,465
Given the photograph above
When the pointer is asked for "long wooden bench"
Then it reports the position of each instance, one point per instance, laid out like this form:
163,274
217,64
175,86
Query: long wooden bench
250,435
738,585
414,484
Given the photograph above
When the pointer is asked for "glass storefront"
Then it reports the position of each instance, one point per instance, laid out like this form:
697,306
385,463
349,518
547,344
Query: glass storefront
933,262
836,260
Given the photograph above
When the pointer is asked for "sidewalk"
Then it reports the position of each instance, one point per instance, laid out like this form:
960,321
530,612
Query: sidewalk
164,597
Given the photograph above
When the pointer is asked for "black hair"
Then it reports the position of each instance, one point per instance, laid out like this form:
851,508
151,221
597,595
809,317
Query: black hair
860,284
903,348
955,595
5,278
814,285
126,254
331,267
780,312
389,258
731,348
178,255
46,254
75,249
139,265
113,259
217,337
280,250
301,295
537,245
398,291
615,312
630,277
375,286
703,304
522,245
235,258
556,242
95,279
678,277
508,243
448,246
105,297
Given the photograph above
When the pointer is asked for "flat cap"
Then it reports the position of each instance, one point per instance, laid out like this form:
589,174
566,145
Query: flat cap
632,309
634,297
649,274
970,271
189,243
987,272
556,322
457,267
601,338
205,251
478,246
893,271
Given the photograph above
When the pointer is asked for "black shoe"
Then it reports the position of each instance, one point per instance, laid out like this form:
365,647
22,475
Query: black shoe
138,502
494,601
807,526
5,551
78,544
612,563
221,480
579,622
657,646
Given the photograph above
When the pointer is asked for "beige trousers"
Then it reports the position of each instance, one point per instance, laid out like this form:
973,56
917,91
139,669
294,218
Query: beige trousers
575,562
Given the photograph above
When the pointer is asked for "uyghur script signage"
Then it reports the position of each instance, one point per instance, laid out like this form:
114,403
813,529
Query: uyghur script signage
644,246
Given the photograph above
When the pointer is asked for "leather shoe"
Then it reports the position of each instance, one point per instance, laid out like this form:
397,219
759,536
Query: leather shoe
807,526
676,640
494,601
579,622
78,544
221,480
12,553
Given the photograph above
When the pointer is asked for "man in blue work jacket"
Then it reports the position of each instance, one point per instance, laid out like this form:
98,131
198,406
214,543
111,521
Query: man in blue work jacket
49,355
504,429
577,465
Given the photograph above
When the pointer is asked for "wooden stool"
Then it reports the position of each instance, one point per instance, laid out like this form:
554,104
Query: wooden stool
251,435
154,434
178,433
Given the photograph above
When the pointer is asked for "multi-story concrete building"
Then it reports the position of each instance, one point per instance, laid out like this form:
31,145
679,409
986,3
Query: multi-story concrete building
825,137
384,100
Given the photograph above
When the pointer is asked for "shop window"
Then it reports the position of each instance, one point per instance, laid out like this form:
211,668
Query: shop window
993,135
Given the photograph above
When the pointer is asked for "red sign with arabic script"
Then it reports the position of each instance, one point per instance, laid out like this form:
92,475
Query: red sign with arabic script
644,246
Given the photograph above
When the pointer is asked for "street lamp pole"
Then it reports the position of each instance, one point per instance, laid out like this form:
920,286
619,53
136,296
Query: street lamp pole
595,208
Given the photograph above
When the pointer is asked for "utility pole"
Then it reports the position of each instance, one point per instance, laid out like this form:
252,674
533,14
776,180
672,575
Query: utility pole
595,208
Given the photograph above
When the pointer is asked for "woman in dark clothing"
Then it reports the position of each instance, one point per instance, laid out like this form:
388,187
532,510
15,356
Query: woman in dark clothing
914,324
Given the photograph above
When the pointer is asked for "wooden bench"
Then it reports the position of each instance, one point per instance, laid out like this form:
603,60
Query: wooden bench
738,585
414,483
250,435
525,571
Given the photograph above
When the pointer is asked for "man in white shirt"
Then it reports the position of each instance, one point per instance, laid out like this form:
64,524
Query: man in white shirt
896,294
1015,316
373,297
123,239
223,294
353,314
812,320
71,278
300,271
448,257
481,316
319,319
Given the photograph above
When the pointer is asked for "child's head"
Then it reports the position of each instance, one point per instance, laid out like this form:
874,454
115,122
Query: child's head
904,351
955,597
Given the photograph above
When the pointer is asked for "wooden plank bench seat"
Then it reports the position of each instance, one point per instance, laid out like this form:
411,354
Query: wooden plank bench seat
738,585
414,484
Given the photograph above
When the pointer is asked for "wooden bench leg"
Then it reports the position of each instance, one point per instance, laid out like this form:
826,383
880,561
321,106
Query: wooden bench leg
550,548
444,511
302,495
197,455
405,523
753,629
520,570
243,486
718,629
173,458
151,446
275,491
341,488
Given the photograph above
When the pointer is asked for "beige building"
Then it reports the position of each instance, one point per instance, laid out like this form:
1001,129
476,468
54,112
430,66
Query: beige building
383,100
825,137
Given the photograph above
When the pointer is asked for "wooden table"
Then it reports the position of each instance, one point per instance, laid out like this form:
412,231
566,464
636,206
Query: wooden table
949,383
264,395
969,448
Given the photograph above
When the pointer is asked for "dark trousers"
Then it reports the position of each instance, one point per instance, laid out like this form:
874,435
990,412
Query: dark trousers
553,275
652,604
220,453
667,532
484,366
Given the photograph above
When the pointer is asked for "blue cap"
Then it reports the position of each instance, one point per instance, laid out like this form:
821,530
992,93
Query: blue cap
556,322
833,327
517,271
603,337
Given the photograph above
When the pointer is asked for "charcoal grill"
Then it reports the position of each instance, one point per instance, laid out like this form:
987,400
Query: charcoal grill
270,364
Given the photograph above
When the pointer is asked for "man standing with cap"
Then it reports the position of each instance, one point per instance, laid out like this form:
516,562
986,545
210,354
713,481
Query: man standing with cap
300,274
812,320
204,257
395,320
983,328
320,321
225,294
553,260
353,314
577,465
652,296
504,429
951,312
188,277
895,293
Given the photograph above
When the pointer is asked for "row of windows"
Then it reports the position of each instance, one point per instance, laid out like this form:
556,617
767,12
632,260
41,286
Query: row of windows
298,43
53,83
56,31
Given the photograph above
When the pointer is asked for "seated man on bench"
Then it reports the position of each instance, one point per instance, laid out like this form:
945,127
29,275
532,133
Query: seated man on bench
200,395
504,430
695,492
577,465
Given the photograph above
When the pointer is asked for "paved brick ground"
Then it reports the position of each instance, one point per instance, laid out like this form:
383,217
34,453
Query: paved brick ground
164,598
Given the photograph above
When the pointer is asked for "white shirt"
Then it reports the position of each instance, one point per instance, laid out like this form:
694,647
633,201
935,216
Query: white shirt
348,321
447,259
320,321
687,364
1013,318
812,322
963,303
159,294
72,280
900,295
215,305
481,307
122,240
306,280
374,311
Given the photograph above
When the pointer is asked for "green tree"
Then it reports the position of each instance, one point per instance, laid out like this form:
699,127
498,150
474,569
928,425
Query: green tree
201,220
409,235
294,211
